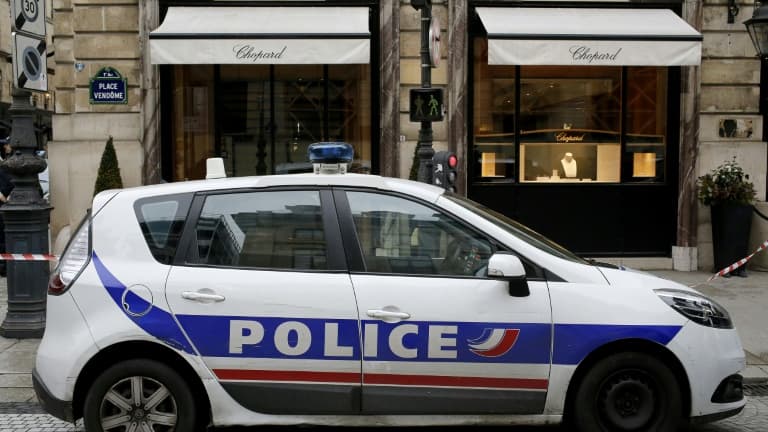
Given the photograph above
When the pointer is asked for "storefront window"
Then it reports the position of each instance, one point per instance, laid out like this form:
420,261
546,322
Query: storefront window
646,124
568,124
494,108
193,134
266,116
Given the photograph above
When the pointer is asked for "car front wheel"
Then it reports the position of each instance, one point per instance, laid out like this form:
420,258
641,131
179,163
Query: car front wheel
139,395
628,392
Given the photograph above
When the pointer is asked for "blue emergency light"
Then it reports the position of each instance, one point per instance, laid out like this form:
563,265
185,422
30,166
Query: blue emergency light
330,157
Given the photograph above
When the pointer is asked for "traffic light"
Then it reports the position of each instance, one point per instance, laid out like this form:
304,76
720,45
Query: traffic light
445,164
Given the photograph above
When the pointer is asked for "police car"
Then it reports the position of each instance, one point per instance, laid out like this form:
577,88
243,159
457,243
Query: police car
342,299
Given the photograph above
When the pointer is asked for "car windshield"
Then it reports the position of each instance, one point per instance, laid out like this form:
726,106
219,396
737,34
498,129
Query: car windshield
515,228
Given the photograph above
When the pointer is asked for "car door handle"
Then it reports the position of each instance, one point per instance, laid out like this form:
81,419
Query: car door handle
202,297
376,313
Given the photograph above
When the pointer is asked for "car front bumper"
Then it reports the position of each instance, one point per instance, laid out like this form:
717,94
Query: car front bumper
710,358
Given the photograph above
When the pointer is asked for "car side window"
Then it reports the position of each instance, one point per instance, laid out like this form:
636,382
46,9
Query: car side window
271,230
398,235
162,220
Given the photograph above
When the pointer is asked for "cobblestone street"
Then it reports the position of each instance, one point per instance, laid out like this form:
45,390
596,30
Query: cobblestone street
25,417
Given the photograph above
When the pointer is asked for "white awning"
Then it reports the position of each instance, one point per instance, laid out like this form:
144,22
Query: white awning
572,36
262,35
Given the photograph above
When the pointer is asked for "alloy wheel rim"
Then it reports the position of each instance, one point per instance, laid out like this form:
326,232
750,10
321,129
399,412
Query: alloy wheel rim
138,404
627,401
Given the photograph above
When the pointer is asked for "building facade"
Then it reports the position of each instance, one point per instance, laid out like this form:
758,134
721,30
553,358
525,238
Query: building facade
589,122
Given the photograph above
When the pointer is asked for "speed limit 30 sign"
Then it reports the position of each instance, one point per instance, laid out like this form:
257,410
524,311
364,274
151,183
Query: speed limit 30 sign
28,16
29,54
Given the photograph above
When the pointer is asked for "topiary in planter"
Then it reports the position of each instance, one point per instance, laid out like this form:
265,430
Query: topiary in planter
109,171
414,174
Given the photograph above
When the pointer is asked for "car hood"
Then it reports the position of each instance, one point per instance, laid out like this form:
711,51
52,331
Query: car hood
627,277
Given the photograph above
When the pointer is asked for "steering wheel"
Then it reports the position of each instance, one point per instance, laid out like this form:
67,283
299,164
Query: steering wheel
462,258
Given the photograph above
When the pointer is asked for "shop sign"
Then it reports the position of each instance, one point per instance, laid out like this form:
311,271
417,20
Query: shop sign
588,55
108,87
254,54
426,104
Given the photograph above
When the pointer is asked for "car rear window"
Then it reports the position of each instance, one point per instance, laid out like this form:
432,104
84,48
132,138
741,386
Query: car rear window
162,220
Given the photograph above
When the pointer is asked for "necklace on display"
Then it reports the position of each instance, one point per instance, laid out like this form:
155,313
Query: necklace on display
569,165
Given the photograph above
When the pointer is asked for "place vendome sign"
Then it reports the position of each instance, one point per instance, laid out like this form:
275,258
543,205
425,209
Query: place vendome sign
108,87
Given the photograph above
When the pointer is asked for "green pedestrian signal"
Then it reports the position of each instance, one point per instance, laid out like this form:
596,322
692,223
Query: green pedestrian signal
426,104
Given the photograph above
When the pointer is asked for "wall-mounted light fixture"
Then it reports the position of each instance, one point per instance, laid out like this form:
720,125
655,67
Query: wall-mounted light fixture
733,11
757,26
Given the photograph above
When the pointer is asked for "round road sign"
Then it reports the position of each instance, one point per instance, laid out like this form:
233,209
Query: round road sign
31,64
434,41
30,9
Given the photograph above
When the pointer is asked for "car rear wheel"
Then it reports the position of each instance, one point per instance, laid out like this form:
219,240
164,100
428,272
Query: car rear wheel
139,395
628,392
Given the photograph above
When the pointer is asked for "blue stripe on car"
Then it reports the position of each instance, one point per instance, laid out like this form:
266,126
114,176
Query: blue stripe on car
156,322
573,342
210,334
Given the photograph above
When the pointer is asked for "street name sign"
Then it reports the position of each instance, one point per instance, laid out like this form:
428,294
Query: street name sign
108,87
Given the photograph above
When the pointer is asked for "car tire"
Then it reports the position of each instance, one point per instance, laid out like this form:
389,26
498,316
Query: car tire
163,401
628,392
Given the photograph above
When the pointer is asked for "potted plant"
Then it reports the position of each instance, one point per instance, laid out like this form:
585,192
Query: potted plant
730,195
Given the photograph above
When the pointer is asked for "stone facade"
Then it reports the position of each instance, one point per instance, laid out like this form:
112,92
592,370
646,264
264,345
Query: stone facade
730,90
98,33
89,35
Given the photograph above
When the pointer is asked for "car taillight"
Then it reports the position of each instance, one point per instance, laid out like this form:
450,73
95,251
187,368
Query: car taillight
73,260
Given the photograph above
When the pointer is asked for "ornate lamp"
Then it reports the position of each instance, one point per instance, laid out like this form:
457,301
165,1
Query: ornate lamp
757,26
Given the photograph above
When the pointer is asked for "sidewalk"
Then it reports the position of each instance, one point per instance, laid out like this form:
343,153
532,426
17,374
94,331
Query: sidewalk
17,358
745,298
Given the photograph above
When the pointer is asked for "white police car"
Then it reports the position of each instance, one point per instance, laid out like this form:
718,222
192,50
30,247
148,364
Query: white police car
361,300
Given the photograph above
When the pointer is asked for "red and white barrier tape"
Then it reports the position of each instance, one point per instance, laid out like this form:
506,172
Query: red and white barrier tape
27,257
739,263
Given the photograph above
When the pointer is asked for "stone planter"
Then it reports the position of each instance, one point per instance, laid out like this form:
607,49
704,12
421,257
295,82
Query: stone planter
731,225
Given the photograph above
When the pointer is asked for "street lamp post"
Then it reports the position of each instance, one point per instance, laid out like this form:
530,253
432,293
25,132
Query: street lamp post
425,150
757,26
26,217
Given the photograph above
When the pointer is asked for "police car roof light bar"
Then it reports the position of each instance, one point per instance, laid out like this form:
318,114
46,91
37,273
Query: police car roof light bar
330,157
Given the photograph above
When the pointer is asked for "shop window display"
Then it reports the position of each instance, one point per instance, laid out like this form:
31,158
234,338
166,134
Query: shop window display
543,124
261,118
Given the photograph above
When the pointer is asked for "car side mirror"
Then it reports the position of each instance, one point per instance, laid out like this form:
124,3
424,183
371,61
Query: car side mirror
508,267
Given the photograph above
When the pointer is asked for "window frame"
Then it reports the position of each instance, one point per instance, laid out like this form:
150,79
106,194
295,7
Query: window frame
336,263
354,252
184,201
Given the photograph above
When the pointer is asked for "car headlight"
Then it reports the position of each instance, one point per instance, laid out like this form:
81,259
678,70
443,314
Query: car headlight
697,308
